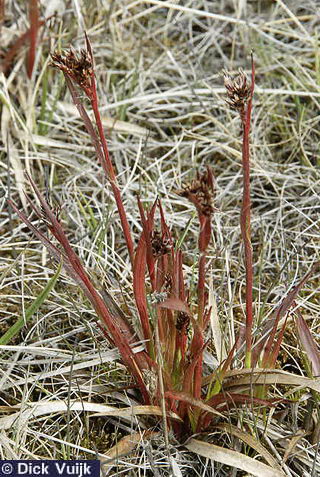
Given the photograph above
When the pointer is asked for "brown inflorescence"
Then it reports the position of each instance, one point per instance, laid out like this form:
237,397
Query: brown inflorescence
77,66
200,193
183,321
238,90
159,244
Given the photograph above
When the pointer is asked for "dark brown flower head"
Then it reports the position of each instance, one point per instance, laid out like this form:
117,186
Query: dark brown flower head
159,244
238,90
183,321
77,66
200,193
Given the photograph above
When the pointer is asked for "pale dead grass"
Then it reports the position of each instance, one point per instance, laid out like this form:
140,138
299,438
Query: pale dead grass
158,67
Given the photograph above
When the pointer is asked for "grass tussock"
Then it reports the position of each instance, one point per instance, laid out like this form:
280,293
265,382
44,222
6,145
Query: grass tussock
189,228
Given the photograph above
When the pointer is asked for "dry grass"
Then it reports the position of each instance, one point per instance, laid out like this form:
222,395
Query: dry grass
159,75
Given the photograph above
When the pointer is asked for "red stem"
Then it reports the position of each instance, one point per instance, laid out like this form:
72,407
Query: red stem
2,2
34,27
201,288
245,221
107,163
13,50
108,167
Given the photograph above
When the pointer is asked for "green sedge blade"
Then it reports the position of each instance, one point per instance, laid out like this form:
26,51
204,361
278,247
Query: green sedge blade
14,329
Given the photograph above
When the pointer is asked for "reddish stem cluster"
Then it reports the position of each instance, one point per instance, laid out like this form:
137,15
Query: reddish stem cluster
171,316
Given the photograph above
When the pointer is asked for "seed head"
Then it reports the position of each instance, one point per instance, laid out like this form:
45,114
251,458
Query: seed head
77,66
159,244
200,193
183,321
238,90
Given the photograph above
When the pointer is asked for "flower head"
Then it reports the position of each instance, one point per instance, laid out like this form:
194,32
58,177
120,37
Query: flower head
183,321
238,90
200,193
159,244
77,66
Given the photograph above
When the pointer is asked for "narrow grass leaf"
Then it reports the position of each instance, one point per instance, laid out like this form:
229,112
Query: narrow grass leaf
271,357
128,444
251,441
43,408
139,289
232,459
13,157
216,378
182,237
147,226
231,399
18,325
137,411
263,376
271,326
308,343
187,398
215,324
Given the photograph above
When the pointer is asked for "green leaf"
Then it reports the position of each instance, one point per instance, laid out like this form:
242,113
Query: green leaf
14,329
186,230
